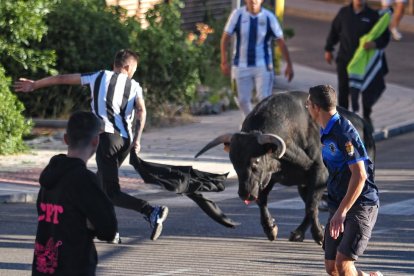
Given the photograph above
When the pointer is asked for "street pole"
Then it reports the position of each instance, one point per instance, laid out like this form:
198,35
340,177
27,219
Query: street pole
235,4
279,11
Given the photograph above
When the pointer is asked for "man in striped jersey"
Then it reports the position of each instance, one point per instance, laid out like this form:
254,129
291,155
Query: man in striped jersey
252,67
118,101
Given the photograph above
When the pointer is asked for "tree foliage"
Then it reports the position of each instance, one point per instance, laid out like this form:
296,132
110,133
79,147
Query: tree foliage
12,124
21,26
86,35
168,68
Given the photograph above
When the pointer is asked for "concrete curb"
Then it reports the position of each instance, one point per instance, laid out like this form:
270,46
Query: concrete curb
19,198
388,133
31,197
50,123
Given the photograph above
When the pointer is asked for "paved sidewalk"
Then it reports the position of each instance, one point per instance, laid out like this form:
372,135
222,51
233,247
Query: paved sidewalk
324,10
392,115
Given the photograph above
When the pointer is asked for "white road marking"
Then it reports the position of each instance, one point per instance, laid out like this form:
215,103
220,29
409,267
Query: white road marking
178,271
403,208
295,203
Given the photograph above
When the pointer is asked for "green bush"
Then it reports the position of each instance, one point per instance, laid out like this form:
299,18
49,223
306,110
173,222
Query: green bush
13,126
22,26
210,73
86,34
168,69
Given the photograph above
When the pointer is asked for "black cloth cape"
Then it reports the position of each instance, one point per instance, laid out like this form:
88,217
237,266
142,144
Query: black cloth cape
185,180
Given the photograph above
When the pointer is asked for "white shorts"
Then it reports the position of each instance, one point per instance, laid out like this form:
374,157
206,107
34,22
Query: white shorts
247,78
390,2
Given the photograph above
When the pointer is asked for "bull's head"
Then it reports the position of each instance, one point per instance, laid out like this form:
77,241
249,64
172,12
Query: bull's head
255,157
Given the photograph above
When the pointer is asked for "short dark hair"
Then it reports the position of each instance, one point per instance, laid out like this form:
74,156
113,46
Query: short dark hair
323,96
82,127
123,56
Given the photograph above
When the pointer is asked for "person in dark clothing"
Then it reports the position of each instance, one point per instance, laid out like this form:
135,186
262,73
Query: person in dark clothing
118,101
352,194
72,208
352,22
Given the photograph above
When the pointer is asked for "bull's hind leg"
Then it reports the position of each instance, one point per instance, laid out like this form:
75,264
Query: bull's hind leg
266,219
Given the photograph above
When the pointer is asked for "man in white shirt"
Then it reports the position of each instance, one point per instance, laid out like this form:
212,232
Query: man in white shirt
398,15
252,66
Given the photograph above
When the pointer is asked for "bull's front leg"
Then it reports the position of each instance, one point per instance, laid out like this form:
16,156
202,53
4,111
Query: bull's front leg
312,199
298,234
266,219
311,195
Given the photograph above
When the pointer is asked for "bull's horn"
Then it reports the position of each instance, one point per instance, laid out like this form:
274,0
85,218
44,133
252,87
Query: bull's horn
225,138
273,139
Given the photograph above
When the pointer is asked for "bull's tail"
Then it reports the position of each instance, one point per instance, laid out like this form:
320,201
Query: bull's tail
369,140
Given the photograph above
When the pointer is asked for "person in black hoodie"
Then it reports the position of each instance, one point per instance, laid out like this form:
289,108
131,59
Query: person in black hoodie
72,208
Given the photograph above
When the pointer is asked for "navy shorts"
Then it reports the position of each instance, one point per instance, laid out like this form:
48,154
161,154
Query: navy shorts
358,225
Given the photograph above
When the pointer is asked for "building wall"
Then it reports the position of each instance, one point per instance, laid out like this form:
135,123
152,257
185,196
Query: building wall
132,6
194,11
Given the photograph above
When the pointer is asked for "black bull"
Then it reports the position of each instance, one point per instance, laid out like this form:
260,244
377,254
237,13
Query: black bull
280,143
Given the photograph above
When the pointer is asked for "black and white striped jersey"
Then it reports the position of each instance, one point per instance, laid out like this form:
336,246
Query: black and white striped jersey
113,100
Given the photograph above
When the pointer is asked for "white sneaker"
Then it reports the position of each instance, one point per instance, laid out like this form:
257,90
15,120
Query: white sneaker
116,240
396,34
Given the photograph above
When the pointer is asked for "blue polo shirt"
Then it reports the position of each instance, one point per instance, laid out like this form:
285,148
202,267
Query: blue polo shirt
341,147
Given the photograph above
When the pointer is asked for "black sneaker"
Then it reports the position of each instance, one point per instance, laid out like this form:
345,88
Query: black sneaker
156,218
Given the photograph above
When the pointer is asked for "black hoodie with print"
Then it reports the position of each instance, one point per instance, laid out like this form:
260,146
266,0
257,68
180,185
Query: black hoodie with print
69,197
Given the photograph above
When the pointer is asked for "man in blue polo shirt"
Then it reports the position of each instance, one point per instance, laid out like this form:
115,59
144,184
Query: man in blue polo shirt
352,195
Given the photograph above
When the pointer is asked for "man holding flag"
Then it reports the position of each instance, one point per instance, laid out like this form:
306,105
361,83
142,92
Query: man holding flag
357,26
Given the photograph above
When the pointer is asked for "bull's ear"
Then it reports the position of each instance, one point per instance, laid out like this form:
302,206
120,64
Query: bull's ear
272,149
276,141
226,147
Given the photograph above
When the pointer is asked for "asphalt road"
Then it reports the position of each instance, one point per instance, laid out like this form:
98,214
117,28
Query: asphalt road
192,244
307,48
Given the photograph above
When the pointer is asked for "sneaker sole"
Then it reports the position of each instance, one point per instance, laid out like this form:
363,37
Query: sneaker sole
156,232
116,240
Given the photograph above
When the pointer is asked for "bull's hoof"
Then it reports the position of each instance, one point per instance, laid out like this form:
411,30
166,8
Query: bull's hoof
319,242
318,237
296,236
272,233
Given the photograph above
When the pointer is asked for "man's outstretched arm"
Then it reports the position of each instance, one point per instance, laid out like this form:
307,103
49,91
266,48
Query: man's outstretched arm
26,85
